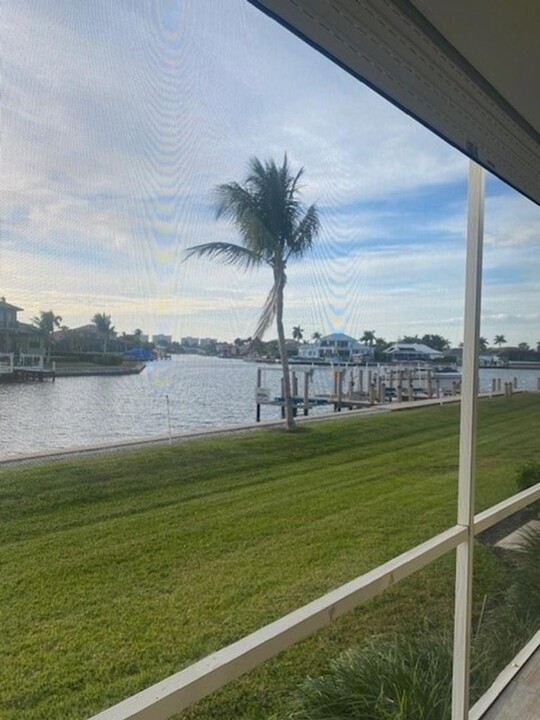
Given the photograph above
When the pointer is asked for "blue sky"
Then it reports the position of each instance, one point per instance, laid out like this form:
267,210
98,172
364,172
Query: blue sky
119,118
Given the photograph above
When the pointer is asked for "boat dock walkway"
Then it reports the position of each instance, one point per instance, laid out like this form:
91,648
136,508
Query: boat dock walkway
363,387
25,367
23,374
359,387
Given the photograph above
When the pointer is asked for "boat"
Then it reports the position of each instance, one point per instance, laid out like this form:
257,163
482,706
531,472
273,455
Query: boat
447,373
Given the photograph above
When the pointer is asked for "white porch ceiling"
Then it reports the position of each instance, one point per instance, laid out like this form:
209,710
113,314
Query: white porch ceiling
467,69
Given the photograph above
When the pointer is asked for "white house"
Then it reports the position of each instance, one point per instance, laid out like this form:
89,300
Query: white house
413,351
309,351
363,353
161,340
336,346
339,345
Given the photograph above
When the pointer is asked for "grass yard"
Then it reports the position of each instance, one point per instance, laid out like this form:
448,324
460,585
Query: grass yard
119,570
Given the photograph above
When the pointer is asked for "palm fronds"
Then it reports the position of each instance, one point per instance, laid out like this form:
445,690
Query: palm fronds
240,206
229,253
268,313
306,230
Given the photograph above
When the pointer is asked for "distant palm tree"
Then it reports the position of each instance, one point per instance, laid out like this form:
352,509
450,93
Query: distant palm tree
137,334
256,346
499,340
47,321
368,338
274,227
297,333
482,344
316,336
104,328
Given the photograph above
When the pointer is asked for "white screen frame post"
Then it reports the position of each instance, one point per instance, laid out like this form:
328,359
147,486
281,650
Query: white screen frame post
467,443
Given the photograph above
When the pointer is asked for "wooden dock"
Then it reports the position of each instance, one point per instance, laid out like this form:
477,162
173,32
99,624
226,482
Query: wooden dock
357,388
24,368
34,368
33,374
361,387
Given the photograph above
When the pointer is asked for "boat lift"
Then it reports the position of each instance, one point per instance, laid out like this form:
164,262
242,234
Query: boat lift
355,387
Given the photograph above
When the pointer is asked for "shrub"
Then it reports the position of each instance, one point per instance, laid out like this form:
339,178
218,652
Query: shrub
515,617
406,677
409,677
106,359
88,357
528,475
524,591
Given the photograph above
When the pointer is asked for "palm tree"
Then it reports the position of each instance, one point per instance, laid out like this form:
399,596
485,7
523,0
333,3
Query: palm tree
316,336
297,333
499,340
275,227
256,346
368,338
104,327
47,321
482,344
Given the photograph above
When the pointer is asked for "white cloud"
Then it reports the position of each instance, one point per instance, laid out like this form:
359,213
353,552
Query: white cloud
120,118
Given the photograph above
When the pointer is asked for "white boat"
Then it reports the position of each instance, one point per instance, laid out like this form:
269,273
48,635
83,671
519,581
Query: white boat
447,373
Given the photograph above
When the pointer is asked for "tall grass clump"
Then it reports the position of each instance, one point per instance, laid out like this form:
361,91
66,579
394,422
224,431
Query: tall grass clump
401,677
514,620
409,676
528,475
524,592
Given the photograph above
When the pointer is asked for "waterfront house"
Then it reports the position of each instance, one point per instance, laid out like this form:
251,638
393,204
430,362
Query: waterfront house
85,338
16,336
335,346
338,345
363,353
226,349
509,355
403,352
161,340
309,351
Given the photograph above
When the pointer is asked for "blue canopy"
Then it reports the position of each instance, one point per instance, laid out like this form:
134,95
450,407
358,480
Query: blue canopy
139,353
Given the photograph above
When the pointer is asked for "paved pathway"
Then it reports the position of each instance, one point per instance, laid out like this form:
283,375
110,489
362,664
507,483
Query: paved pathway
521,698
514,540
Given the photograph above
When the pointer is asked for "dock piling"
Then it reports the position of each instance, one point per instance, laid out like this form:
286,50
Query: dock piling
339,375
258,405
306,393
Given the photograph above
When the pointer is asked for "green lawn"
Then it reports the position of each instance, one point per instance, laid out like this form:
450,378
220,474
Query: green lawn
121,569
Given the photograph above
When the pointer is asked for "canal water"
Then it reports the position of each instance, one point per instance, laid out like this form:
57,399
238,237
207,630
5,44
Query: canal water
203,392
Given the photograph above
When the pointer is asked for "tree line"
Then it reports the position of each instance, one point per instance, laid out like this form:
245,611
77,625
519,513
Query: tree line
48,321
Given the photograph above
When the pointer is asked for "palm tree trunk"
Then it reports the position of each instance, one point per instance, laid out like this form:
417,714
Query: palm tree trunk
279,279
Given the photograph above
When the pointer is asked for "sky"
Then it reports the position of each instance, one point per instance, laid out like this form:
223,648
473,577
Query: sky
119,118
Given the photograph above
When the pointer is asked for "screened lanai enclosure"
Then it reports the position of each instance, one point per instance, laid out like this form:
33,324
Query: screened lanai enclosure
262,574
